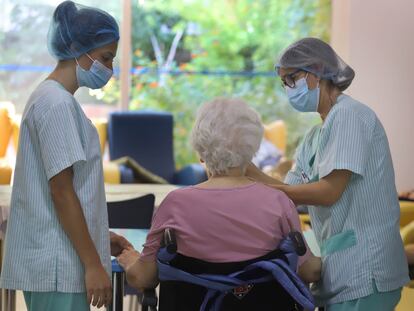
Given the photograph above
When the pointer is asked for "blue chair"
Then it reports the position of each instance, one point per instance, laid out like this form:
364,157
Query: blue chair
129,214
147,137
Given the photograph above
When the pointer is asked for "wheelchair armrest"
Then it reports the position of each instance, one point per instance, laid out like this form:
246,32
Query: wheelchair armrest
169,241
298,242
149,300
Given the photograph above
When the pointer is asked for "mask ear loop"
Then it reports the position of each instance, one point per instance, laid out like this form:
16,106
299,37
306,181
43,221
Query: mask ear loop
80,65
76,60
90,57
306,77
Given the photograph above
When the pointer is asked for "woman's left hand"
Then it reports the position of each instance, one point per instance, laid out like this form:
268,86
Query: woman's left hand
128,257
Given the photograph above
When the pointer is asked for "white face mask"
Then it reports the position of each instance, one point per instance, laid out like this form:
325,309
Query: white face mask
303,99
94,78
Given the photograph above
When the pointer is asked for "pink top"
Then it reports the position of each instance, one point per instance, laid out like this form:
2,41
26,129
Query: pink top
224,225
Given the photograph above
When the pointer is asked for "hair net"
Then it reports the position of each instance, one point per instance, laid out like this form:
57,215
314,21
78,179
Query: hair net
317,57
76,29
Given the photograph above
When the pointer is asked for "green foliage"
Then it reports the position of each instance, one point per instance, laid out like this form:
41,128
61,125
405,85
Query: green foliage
233,35
19,49
23,41
220,35
152,22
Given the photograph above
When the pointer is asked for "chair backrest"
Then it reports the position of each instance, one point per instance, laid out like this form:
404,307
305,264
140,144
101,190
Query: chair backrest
184,296
131,214
145,136
6,126
101,126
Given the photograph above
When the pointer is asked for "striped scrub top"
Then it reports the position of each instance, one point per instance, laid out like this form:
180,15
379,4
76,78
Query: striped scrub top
359,235
55,134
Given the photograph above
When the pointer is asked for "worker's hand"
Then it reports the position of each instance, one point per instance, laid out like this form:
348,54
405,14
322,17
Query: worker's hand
127,258
252,171
98,286
118,244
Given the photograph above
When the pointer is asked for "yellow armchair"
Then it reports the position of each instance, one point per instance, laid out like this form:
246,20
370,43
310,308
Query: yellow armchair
276,133
407,213
15,130
407,235
112,175
6,129
407,295
5,172
101,125
9,130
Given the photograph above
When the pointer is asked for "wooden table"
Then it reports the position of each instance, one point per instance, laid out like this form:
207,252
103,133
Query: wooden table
113,193
128,191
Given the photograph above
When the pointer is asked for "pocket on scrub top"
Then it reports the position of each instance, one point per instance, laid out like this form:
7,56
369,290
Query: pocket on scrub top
338,242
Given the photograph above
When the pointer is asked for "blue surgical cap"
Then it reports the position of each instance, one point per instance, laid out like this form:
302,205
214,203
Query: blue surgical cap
76,29
315,56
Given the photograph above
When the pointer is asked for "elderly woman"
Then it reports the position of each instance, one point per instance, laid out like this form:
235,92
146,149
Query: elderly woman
344,173
228,218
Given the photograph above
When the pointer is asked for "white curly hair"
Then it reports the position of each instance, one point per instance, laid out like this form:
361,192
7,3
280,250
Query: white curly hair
227,133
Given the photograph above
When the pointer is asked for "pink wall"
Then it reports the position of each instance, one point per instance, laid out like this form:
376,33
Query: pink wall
376,37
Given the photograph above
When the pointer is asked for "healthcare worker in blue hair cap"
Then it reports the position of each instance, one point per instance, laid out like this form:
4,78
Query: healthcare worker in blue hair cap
58,242
344,174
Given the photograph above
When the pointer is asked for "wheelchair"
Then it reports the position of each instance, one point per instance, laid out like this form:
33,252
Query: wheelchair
265,283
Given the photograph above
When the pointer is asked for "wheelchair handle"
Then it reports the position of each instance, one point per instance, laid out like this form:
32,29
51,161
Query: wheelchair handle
169,241
298,242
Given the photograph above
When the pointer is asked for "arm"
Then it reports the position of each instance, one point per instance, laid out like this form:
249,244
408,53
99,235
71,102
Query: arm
409,251
141,269
325,192
310,270
140,274
118,243
70,215
309,266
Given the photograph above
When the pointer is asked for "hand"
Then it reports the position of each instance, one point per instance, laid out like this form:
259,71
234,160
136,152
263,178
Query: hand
255,174
98,286
128,258
252,171
118,244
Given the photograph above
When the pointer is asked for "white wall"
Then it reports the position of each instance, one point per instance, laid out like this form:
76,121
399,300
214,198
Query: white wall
376,38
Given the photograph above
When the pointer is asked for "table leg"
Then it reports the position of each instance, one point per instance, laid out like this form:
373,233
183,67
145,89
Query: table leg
7,296
8,300
118,281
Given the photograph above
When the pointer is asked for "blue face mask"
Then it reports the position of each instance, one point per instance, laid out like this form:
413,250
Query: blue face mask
303,99
94,78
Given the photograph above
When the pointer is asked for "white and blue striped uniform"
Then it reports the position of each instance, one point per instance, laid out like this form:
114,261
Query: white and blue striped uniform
54,134
359,235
